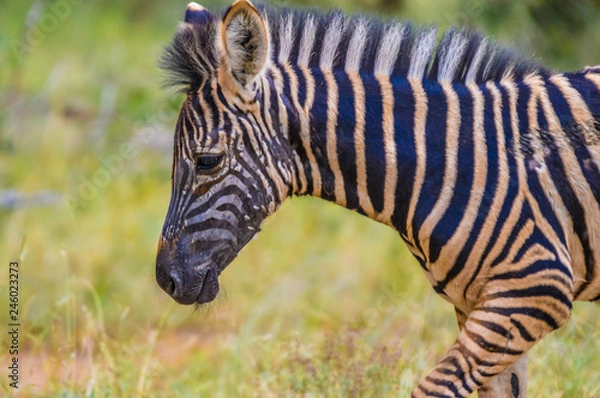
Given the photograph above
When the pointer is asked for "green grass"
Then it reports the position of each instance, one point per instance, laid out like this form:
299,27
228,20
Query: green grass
322,303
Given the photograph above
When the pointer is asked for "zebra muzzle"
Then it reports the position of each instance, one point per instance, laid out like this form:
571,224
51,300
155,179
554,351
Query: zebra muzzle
184,283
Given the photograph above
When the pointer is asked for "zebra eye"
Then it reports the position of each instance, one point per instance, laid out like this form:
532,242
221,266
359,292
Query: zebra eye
208,162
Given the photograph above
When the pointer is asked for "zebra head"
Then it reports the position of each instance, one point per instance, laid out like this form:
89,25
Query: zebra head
231,169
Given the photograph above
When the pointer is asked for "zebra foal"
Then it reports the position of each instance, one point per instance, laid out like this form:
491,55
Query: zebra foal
485,163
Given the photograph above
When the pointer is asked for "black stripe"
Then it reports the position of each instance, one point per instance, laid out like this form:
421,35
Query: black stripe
318,135
225,191
445,383
530,312
404,125
534,291
534,268
374,142
435,136
493,326
522,330
346,150
489,346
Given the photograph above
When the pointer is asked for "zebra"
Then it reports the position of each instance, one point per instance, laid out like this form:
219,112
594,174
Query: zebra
486,163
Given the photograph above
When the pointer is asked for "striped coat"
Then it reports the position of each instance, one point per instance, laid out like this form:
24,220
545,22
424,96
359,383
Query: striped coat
485,163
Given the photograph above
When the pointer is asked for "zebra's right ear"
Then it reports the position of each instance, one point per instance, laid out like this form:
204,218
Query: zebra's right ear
245,42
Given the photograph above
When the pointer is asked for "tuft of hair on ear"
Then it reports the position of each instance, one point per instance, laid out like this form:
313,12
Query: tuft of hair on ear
191,58
245,40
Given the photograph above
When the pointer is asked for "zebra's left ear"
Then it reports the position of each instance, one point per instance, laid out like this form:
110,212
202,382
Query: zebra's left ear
245,41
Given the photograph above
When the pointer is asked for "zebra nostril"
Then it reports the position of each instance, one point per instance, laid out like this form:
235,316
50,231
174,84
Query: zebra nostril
170,288
173,287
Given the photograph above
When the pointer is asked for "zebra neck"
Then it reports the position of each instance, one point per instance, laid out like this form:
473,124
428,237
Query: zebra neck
355,138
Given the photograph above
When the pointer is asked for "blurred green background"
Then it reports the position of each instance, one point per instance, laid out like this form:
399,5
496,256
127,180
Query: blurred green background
323,303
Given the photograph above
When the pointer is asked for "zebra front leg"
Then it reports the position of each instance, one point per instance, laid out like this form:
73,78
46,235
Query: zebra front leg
510,383
497,334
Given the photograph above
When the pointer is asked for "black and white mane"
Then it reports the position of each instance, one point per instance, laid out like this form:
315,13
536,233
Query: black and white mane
360,43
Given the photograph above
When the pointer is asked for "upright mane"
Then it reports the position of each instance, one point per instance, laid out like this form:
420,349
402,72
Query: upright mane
363,44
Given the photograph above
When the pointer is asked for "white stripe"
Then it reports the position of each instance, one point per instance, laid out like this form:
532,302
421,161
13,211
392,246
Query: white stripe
476,62
421,54
307,42
286,38
388,50
331,42
486,69
451,57
356,47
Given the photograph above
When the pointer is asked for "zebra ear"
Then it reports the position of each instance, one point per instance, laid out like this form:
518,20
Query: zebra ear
196,14
245,41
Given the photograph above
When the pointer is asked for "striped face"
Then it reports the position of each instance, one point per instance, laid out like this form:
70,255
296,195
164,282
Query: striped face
223,181
217,202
